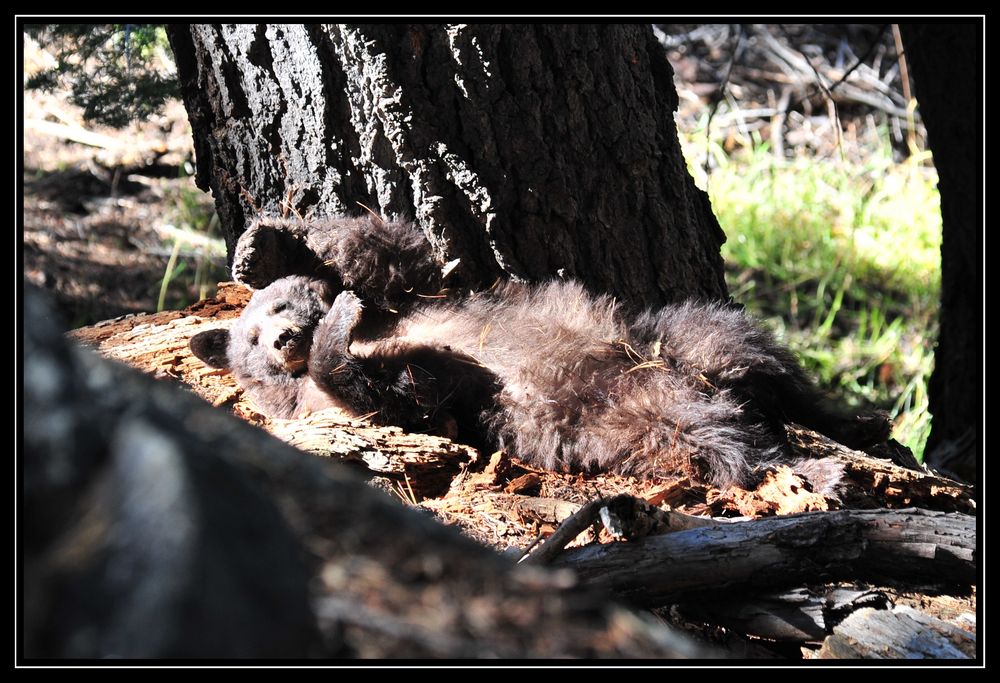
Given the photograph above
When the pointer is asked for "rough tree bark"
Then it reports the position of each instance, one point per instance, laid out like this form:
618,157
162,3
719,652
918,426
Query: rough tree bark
947,63
524,151
707,562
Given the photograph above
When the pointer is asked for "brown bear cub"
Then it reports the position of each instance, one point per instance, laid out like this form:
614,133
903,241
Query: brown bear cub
562,378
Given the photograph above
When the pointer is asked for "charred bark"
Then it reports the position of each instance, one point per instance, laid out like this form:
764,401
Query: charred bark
524,151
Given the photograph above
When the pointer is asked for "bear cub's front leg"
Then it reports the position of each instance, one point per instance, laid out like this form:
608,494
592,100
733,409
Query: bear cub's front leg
421,388
331,365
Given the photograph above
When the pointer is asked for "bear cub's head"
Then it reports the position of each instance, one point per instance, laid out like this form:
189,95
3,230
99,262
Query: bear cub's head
274,334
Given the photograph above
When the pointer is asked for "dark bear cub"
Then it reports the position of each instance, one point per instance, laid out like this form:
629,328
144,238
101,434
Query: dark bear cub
290,351
563,378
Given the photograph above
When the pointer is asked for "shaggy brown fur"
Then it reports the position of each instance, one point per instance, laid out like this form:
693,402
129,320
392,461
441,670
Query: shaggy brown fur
562,378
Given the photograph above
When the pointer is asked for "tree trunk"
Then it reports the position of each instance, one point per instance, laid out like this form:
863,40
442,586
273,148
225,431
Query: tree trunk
524,151
947,63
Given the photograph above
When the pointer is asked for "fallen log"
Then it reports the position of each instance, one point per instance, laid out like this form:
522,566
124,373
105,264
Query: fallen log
897,545
808,614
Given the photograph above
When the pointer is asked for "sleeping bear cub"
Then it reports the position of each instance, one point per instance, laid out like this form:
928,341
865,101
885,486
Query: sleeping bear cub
561,378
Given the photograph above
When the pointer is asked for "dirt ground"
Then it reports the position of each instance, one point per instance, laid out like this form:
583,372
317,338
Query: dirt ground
104,209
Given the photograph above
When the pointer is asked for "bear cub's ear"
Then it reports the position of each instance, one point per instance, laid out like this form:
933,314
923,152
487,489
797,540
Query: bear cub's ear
210,347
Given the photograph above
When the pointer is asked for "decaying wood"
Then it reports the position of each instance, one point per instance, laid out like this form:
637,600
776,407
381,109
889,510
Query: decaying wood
507,504
427,464
899,633
503,520
899,545
807,614
158,344
879,482
810,613
797,615
897,486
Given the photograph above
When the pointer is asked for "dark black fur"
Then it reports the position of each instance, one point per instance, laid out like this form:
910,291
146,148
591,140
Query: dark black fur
562,378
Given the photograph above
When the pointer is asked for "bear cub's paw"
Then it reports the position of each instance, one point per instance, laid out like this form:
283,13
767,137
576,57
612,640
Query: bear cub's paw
266,252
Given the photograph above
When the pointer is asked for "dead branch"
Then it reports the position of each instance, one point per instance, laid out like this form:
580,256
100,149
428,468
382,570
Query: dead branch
623,517
900,545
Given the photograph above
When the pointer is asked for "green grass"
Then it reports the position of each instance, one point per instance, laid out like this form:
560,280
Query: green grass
842,260
192,273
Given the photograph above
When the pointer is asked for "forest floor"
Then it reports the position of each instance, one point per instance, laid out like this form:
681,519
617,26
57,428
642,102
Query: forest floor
104,208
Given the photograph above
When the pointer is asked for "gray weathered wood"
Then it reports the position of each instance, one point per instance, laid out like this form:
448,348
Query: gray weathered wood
902,545
900,633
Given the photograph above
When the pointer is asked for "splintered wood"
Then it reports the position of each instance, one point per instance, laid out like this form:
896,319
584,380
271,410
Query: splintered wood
157,343
427,464
897,633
